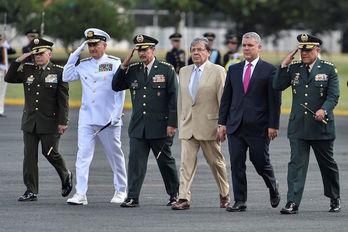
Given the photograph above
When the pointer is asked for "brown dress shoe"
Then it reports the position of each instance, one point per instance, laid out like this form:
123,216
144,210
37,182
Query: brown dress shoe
181,204
224,201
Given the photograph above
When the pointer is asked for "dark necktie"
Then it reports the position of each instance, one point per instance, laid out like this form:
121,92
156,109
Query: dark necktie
145,74
307,70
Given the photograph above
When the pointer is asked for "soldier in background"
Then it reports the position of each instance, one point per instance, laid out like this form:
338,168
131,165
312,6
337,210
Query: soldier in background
215,56
176,56
31,34
232,56
3,69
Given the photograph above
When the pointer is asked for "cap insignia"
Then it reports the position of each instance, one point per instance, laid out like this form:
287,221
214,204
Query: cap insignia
90,34
304,37
140,38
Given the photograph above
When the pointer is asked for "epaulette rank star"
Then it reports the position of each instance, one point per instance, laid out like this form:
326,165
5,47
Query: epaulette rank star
58,66
113,57
85,59
327,62
28,63
133,64
296,62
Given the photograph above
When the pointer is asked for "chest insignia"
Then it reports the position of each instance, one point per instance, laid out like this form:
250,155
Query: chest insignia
30,79
320,77
159,78
51,78
105,67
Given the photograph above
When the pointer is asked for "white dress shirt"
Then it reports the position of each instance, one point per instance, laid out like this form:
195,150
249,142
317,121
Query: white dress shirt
253,64
200,68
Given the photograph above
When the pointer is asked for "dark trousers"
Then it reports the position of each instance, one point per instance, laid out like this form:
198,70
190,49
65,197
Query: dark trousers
238,144
298,166
30,163
137,165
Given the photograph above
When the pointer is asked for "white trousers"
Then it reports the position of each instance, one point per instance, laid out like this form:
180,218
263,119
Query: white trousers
3,86
110,138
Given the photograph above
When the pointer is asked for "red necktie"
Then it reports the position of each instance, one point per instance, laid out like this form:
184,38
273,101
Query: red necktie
247,77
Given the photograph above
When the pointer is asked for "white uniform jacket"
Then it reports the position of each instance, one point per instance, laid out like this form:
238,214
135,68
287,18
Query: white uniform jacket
99,101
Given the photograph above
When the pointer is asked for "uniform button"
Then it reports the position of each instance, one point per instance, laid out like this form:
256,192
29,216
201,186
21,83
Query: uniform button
37,93
38,85
306,95
159,86
144,87
36,109
28,89
36,100
321,85
144,104
144,112
306,86
95,81
144,96
50,86
305,113
93,101
306,103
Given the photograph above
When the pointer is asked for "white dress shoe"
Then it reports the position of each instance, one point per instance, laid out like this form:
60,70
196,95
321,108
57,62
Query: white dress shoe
77,199
119,197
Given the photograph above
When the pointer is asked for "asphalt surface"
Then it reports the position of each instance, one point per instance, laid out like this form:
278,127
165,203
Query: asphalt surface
51,213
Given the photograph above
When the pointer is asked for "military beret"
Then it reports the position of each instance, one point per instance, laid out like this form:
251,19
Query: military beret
308,42
144,41
32,32
175,36
94,35
209,35
40,45
231,39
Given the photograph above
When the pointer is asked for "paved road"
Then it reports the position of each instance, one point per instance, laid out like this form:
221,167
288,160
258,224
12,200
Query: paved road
51,213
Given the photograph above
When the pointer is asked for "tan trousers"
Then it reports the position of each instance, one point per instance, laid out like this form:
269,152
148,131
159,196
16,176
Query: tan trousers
212,153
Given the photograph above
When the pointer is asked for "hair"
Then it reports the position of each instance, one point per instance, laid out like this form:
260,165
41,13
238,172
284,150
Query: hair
253,35
202,40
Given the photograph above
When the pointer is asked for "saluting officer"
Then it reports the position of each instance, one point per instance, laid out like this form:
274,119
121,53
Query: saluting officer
176,56
100,105
153,87
31,35
45,114
315,85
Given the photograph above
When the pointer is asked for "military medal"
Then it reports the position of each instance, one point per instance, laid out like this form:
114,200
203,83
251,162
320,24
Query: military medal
158,93
30,79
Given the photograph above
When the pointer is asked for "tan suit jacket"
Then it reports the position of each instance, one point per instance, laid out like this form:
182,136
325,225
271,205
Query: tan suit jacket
199,117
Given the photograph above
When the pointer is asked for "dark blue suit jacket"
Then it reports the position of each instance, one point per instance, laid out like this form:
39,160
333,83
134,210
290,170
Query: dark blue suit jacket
256,110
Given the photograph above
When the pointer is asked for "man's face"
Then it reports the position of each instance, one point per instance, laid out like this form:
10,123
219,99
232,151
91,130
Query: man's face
251,49
199,54
146,55
96,50
309,56
42,58
232,46
176,44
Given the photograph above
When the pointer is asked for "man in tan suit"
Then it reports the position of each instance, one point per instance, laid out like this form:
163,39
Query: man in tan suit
200,88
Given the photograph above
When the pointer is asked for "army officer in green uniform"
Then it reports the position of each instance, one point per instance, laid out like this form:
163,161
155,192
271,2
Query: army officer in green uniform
45,115
153,88
315,92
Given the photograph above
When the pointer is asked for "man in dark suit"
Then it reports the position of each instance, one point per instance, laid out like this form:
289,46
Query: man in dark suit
45,115
315,84
153,87
249,115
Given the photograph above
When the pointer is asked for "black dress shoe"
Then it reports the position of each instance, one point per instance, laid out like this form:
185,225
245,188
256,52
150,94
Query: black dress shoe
28,196
130,203
238,206
335,205
68,185
172,199
275,196
290,208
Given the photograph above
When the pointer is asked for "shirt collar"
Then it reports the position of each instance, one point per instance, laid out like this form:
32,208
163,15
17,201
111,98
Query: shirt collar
253,63
149,66
201,68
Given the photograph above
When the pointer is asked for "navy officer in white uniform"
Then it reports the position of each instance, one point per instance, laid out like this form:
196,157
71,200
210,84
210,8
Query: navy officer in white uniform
100,105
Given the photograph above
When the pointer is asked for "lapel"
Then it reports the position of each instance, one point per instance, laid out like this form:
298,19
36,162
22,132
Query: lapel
314,71
186,80
204,78
152,72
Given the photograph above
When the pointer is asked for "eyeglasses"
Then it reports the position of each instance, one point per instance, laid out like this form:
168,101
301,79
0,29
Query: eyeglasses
198,50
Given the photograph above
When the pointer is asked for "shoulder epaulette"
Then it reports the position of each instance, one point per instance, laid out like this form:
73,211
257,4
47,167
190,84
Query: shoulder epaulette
58,66
296,62
327,62
163,62
134,64
85,59
113,57
28,63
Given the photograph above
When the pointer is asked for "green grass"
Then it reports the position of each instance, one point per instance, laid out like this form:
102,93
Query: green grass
341,61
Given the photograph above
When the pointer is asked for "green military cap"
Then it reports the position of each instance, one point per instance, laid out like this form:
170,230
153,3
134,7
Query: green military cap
308,42
94,35
144,41
209,35
40,45
32,32
175,36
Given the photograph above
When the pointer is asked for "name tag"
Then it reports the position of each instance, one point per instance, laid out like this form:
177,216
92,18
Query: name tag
159,78
51,78
105,67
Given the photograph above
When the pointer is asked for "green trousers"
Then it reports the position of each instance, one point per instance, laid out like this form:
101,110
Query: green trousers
137,164
30,163
298,166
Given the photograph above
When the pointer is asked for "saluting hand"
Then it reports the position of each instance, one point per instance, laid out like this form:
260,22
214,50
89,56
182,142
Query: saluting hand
289,58
25,55
127,61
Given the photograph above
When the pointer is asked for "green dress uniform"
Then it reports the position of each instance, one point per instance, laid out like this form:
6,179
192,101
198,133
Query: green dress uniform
317,90
46,107
154,102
